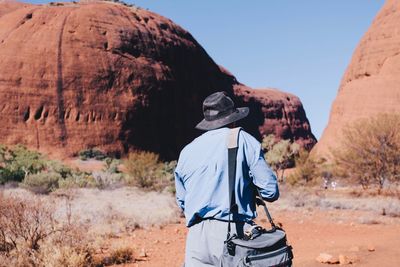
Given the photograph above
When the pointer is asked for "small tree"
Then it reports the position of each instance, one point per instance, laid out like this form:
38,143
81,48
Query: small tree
279,155
370,151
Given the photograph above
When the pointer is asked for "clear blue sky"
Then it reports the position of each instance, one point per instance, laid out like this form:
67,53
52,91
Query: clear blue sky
301,47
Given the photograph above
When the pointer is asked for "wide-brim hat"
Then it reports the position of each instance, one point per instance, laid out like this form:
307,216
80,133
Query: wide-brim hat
219,110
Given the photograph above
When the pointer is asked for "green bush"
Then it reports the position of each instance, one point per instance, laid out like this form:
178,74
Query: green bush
112,165
7,175
18,162
279,155
58,167
77,180
92,153
43,182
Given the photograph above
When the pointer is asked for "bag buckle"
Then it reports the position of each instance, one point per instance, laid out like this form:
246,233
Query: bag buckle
252,232
231,248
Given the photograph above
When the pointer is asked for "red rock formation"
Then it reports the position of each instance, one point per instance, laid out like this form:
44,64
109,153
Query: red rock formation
276,112
371,82
7,6
100,74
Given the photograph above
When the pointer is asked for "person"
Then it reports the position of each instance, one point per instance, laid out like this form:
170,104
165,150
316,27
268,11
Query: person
201,180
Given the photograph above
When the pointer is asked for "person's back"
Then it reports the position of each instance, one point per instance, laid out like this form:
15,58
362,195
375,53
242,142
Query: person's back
201,179
203,169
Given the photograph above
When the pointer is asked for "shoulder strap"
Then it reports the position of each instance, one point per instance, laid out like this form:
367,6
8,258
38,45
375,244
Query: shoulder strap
232,144
233,138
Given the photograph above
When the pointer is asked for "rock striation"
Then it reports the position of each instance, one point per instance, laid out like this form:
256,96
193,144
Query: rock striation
101,74
370,84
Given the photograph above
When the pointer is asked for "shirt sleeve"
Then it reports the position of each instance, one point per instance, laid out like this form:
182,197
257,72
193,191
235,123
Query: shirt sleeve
263,177
180,191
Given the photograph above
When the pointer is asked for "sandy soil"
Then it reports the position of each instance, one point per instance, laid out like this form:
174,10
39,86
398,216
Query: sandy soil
310,232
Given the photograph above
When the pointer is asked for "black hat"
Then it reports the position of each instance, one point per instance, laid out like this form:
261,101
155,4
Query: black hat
219,110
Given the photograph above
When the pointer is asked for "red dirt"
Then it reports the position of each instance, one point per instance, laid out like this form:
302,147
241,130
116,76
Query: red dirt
309,232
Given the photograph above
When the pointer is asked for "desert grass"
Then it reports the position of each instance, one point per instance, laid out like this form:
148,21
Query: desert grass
339,199
31,236
73,227
108,212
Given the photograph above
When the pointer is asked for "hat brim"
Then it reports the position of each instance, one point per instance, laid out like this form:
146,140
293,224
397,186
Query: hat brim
238,114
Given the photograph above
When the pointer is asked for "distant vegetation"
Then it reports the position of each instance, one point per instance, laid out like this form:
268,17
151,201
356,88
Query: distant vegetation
92,153
369,156
285,154
32,235
370,151
147,171
280,155
31,170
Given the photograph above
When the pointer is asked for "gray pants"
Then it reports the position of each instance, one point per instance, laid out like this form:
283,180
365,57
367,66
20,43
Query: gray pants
205,242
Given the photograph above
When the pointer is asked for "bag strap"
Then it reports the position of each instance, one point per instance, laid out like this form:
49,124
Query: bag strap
232,145
261,202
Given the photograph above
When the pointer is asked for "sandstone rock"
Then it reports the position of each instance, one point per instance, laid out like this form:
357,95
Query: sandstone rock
327,258
276,112
370,84
348,259
143,253
343,260
9,6
371,248
105,75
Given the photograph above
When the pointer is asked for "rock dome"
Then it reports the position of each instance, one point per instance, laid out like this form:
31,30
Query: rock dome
371,83
102,74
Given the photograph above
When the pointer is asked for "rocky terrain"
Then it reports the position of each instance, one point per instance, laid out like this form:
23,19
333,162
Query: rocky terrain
101,74
371,82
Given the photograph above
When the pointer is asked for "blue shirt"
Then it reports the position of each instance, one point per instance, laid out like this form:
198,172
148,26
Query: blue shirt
202,182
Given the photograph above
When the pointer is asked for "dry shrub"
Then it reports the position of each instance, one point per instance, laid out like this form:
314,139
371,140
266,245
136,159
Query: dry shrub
68,247
119,255
24,224
30,236
369,152
309,170
107,180
147,171
393,191
42,182
143,168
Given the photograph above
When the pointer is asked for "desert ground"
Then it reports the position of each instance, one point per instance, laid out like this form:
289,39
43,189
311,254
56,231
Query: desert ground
360,228
310,233
364,237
